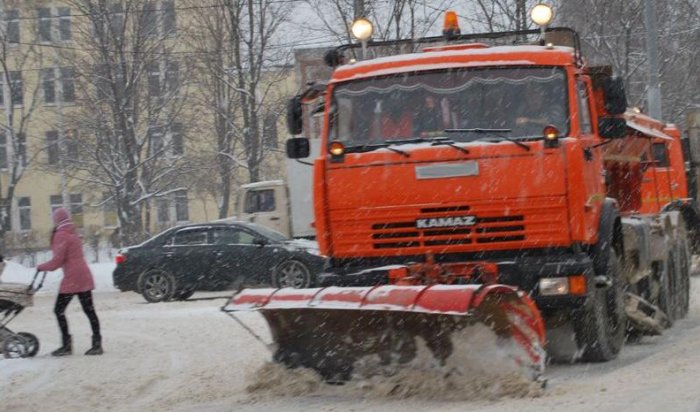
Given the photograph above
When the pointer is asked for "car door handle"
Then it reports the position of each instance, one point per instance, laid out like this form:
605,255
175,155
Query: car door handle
219,253
169,254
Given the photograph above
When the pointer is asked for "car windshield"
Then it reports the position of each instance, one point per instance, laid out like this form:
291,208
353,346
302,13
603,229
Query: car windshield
464,104
268,233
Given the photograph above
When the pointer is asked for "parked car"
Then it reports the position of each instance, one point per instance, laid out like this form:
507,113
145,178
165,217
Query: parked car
215,256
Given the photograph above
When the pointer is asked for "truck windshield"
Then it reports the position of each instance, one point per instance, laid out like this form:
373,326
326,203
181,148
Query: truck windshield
466,104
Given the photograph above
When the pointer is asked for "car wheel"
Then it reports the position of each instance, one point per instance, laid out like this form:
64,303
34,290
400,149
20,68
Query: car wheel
157,286
292,274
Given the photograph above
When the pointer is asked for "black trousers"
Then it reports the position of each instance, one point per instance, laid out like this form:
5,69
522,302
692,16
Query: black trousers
85,298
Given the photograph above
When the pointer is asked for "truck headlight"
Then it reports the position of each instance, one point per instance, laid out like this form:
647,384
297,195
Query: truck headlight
567,285
554,286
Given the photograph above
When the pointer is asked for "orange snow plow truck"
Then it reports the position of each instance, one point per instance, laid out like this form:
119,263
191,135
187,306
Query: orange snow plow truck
492,178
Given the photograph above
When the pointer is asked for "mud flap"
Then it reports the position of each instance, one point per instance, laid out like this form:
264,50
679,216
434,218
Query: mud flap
329,329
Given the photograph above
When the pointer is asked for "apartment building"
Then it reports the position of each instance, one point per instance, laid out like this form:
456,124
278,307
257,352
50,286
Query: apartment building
43,88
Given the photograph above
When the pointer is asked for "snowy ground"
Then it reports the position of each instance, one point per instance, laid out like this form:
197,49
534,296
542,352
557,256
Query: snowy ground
187,356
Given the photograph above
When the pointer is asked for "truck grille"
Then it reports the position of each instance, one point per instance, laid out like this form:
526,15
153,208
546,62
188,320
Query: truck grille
535,222
485,230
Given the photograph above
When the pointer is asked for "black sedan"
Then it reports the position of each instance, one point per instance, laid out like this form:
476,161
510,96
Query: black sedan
215,256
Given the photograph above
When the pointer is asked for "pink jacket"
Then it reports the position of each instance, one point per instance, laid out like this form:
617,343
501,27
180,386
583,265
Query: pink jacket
68,254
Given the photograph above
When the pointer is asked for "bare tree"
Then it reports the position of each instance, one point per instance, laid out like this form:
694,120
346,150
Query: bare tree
242,64
614,33
17,59
131,121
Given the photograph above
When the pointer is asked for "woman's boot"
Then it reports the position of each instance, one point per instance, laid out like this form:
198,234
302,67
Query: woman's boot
66,349
96,346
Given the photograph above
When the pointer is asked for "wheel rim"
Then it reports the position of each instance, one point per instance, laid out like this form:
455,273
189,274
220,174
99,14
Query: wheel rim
156,286
31,343
14,348
293,275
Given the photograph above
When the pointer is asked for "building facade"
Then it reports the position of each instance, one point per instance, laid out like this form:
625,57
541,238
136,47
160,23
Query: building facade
45,94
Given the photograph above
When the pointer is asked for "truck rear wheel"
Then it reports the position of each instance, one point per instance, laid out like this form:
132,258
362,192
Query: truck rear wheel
600,324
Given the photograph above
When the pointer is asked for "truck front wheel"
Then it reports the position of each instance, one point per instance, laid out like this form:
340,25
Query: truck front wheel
600,324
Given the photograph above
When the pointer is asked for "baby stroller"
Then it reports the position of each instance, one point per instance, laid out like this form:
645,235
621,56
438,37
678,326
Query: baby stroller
14,297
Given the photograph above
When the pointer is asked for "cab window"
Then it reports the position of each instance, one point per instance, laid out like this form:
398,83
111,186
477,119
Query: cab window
583,113
660,152
260,201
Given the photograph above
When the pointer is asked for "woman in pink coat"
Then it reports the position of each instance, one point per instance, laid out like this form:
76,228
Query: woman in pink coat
77,280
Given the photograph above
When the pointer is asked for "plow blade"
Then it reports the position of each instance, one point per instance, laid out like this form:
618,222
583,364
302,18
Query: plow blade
328,329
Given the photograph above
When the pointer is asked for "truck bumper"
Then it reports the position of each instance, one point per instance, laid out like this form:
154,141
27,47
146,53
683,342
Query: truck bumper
523,273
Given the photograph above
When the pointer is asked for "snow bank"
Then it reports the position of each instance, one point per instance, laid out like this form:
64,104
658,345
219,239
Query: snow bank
101,272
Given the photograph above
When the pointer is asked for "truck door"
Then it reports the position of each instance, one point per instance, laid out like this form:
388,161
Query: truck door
593,181
268,207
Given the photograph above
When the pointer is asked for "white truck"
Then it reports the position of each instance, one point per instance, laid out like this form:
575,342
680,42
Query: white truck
285,206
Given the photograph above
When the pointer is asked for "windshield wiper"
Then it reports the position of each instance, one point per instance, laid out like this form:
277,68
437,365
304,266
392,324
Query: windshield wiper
480,130
371,147
441,140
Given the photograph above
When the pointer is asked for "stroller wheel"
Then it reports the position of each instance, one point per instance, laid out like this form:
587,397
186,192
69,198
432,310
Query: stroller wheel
14,347
31,343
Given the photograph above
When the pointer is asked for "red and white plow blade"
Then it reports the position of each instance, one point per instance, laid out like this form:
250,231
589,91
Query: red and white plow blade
328,329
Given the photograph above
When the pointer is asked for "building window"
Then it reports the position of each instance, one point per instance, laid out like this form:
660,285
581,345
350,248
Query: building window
103,78
44,24
48,84
159,19
163,210
12,31
76,208
169,142
3,150
177,143
14,88
163,79
63,24
55,201
70,143
182,213
22,149
57,83
156,140
24,207
52,148
169,18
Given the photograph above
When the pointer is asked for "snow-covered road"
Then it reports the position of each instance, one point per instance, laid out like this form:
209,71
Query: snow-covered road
190,356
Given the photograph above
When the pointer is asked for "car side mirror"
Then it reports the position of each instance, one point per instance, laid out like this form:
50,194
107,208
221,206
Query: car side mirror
260,241
294,115
612,127
298,148
615,98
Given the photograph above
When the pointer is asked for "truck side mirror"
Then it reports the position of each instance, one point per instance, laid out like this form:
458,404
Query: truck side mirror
615,98
294,115
298,148
612,127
